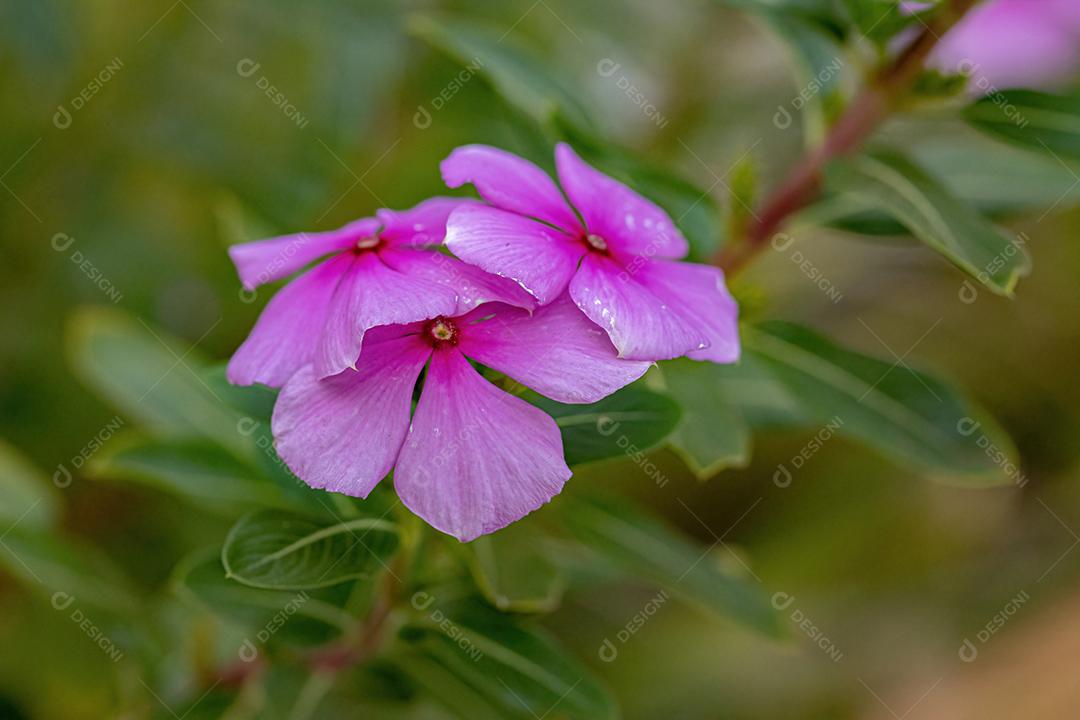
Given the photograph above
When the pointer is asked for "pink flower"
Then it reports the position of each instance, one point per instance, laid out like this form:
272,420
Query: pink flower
474,458
382,270
618,258
1013,43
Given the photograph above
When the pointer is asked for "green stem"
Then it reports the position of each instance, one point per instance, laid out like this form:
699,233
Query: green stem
311,694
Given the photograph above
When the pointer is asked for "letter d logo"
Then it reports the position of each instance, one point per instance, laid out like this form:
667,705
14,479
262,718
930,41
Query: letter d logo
782,118
782,477
608,652
422,118
61,118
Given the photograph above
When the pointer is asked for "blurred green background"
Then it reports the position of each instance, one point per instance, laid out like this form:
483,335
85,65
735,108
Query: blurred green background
176,150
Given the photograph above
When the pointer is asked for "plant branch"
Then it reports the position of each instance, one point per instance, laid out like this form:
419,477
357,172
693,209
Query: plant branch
362,644
872,105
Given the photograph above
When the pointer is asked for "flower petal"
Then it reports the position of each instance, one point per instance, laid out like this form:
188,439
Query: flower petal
343,433
557,351
287,332
1013,43
509,182
698,293
420,226
268,260
630,224
476,459
641,324
541,259
371,293
472,285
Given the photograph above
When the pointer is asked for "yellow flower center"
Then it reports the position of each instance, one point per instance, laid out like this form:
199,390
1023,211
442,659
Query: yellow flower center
596,242
368,243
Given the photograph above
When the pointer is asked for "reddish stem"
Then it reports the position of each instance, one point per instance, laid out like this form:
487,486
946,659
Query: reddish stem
366,641
866,112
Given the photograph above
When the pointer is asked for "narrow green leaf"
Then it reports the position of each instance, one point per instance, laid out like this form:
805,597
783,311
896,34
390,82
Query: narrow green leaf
521,79
880,20
891,183
647,549
195,469
255,404
445,686
285,551
514,572
219,702
821,12
254,401
818,66
1039,121
521,670
1000,181
629,421
66,571
152,377
909,415
27,498
712,434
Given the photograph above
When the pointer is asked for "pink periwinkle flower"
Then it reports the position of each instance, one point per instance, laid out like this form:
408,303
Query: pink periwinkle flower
473,458
381,270
616,252
1013,43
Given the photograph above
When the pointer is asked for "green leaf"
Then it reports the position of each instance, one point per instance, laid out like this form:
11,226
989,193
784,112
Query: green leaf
302,616
908,415
254,401
816,11
627,422
891,183
647,549
255,405
446,686
516,75
999,180
513,570
712,433
937,85
152,377
879,20
63,570
27,499
284,551
742,197
818,68
520,670
195,469
220,701
1039,121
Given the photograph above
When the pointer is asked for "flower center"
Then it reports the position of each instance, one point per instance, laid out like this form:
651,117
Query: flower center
368,243
442,331
596,242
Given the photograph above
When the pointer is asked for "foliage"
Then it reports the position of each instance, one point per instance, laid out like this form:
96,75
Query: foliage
307,603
